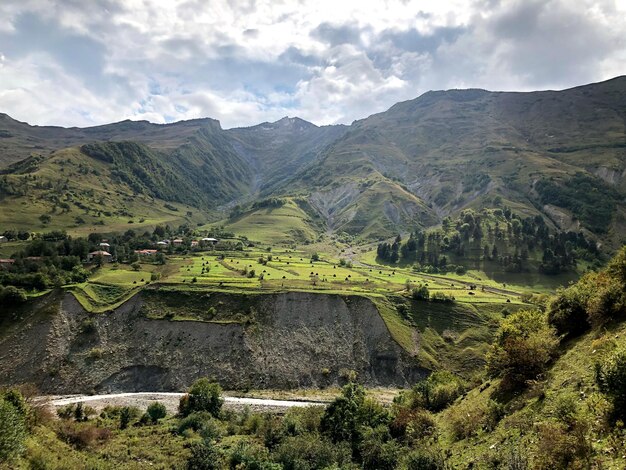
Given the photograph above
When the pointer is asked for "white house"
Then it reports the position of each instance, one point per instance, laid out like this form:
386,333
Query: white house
106,256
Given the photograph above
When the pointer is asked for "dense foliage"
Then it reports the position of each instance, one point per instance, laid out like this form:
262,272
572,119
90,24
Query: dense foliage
595,300
494,236
522,348
590,199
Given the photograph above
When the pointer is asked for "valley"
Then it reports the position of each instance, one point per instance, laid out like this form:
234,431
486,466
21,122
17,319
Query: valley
445,276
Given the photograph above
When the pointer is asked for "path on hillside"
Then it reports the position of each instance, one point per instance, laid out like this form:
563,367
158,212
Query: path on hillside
170,399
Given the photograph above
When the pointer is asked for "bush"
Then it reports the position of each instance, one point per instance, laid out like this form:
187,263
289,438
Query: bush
95,353
12,430
412,424
611,380
467,419
561,447
596,299
344,417
251,456
156,411
523,346
310,451
423,460
204,456
202,396
127,414
436,392
300,420
83,435
420,293
11,295
194,421
567,312
378,451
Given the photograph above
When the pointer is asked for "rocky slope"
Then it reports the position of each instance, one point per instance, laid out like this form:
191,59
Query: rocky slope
289,340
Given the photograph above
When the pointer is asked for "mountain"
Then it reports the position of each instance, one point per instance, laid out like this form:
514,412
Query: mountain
558,155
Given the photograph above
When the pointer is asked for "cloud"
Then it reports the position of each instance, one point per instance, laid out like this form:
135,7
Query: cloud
70,62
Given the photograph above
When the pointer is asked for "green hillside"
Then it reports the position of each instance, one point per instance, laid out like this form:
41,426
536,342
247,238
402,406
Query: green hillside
70,191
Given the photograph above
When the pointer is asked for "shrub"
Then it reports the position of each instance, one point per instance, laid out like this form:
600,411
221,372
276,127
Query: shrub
436,392
310,451
195,421
423,460
299,420
561,447
204,456
378,451
156,411
248,456
202,396
420,293
95,353
127,414
82,436
12,295
523,346
467,419
567,312
611,380
608,301
412,424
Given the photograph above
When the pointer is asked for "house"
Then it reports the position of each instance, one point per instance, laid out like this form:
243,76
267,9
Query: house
163,243
209,240
194,243
106,256
146,252
3,239
104,246
177,242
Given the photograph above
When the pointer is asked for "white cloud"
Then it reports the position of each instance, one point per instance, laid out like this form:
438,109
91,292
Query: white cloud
71,62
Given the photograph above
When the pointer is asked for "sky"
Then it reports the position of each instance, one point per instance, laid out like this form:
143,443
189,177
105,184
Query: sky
91,62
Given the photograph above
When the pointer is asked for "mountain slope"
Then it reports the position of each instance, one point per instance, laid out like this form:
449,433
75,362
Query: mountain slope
466,148
560,155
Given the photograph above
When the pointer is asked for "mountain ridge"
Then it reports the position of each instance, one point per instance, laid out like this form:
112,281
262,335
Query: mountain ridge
405,168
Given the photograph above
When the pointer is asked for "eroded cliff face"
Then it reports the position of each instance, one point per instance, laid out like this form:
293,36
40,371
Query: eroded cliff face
290,340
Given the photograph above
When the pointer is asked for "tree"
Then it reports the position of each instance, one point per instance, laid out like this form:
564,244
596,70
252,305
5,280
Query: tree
156,411
202,396
45,219
125,417
523,346
345,417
